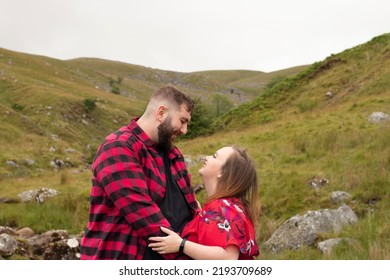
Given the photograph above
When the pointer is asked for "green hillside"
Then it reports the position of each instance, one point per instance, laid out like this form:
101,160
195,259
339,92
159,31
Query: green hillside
352,76
295,132
290,126
251,82
46,102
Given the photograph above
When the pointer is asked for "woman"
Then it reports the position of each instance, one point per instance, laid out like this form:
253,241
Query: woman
224,228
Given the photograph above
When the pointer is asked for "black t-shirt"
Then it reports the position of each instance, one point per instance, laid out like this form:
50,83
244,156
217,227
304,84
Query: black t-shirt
173,206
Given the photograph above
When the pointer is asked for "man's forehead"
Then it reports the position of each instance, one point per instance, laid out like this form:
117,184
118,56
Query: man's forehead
183,112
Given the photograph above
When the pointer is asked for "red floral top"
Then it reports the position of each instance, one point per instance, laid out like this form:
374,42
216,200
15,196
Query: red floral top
224,222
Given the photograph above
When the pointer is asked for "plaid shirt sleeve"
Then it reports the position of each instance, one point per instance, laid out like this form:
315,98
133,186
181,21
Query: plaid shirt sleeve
123,179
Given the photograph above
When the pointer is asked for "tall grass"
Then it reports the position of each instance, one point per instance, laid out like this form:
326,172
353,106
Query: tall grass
63,212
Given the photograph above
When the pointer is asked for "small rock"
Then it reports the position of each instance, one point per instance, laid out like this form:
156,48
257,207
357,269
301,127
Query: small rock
340,196
327,245
329,95
378,117
8,245
72,243
25,232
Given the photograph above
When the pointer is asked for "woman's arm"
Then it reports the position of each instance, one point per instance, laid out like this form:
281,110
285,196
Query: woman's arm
171,244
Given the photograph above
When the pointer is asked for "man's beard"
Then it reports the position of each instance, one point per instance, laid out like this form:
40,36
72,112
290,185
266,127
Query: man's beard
165,132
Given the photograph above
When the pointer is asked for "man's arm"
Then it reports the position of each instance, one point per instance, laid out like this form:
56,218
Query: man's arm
121,175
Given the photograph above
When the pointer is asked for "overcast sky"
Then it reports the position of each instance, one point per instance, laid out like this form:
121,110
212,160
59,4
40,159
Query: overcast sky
192,35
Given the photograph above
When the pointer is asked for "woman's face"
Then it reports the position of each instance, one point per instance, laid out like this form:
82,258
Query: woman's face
211,169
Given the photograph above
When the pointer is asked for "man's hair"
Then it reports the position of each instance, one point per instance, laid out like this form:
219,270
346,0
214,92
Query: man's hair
174,96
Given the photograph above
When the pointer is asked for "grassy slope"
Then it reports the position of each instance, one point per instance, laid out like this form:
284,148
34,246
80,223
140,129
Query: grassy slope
50,94
292,131
41,101
295,133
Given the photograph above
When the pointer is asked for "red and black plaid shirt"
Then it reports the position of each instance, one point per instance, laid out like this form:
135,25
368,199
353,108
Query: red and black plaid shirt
128,180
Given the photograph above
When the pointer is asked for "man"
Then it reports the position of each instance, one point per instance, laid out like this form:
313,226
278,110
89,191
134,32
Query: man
140,182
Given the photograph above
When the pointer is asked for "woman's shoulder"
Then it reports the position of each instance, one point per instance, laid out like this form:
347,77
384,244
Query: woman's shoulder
232,204
228,202
228,216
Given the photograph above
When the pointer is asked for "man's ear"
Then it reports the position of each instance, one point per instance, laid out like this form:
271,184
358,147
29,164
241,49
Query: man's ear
160,112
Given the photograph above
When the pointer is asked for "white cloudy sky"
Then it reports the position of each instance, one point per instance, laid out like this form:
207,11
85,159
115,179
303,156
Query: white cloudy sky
192,35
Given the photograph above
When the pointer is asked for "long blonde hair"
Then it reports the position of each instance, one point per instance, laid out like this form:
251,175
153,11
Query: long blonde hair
239,179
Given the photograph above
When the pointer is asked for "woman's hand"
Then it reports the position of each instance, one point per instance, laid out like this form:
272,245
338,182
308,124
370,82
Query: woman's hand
167,244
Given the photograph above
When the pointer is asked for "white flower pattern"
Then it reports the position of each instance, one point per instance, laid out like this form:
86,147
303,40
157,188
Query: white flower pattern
229,216
226,202
238,208
249,246
225,225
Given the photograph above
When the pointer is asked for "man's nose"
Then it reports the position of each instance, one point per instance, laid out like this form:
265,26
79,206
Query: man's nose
184,129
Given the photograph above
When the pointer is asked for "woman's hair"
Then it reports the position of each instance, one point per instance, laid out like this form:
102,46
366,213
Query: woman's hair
173,96
239,179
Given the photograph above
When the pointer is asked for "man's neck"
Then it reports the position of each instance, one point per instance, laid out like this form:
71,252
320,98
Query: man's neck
147,126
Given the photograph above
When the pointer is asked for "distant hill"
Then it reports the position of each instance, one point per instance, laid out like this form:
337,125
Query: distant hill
250,82
43,99
349,76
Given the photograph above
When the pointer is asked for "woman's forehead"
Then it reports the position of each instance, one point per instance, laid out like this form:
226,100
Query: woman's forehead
226,151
